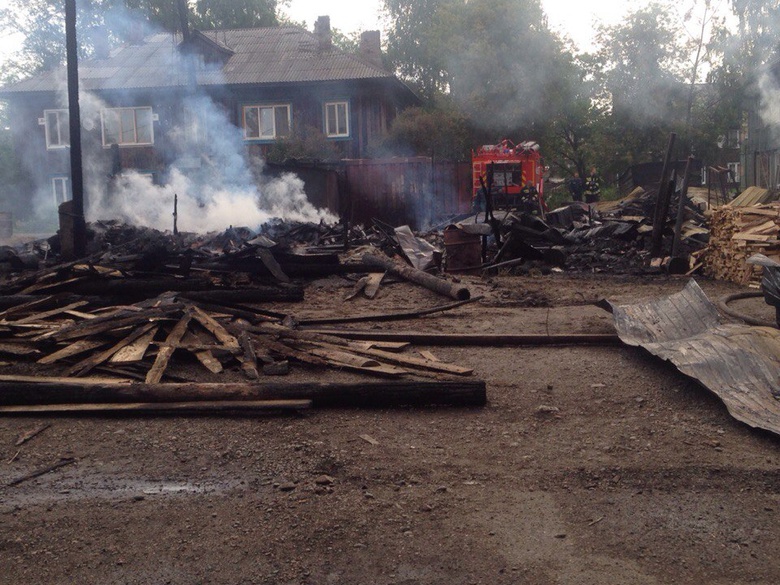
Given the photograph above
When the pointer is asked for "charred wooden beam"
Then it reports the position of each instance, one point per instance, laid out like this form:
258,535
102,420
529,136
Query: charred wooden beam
290,293
201,406
486,339
438,285
21,390
387,316
662,200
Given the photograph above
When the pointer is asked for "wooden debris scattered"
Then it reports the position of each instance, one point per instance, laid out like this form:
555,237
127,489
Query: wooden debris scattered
61,463
26,436
115,330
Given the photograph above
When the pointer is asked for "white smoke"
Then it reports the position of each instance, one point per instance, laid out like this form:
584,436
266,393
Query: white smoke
770,102
213,179
205,207
216,182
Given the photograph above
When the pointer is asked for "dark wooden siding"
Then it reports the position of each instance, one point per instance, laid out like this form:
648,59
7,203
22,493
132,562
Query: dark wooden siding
411,191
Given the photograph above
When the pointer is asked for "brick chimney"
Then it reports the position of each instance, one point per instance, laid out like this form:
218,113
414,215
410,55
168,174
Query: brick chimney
371,46
322,32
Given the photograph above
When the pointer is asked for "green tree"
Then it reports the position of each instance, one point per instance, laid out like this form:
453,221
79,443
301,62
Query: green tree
420,41
210,14
572,142
303,143
41,24
508,71
759,30
438,130
496,59
639,68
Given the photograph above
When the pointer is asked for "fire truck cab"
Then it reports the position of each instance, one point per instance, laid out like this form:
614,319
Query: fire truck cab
505,168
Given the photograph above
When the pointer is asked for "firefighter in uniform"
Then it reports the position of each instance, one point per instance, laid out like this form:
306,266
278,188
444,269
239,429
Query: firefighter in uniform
592,187
576,187
529,198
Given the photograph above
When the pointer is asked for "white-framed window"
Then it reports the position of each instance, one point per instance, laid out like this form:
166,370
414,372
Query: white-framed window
733,138
266,122
60,190
734,171
336,119
57,127
128,126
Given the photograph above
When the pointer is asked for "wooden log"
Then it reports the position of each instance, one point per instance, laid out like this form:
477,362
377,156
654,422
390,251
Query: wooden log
23,390
681,209
194,342
201,406
18,349
213,326
387,316
408,361
486,339
195,289
438,285
81,346
50,313
272,265
113,321
299,270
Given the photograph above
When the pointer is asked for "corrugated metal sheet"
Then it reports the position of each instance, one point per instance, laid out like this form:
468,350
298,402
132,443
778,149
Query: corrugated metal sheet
739,363
261,56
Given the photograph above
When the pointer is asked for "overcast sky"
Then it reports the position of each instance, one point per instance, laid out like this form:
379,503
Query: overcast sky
574,17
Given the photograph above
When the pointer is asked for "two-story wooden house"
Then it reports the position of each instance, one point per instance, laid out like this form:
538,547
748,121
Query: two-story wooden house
266,81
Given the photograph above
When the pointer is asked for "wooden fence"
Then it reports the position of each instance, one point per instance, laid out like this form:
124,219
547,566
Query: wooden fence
414,191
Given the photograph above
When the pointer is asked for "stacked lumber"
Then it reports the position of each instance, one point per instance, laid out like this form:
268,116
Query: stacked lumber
736,233
752,196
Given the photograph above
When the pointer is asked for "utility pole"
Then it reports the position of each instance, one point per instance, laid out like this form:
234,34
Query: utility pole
79,233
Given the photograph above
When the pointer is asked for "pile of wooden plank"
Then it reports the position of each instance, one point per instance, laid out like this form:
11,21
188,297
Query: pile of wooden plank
753,196
147,356
736,233
138,341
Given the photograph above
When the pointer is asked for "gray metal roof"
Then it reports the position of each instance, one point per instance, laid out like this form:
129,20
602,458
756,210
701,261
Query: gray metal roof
260,56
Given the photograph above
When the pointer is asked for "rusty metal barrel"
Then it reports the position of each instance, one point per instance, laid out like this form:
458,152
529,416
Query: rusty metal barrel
463,250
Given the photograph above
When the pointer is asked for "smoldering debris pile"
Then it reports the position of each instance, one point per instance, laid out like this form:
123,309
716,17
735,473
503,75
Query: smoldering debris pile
610,237
155,314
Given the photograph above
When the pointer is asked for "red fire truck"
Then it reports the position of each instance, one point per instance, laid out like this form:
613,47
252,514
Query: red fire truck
512,167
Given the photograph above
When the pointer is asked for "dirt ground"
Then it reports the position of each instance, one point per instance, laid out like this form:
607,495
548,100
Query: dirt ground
589,465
